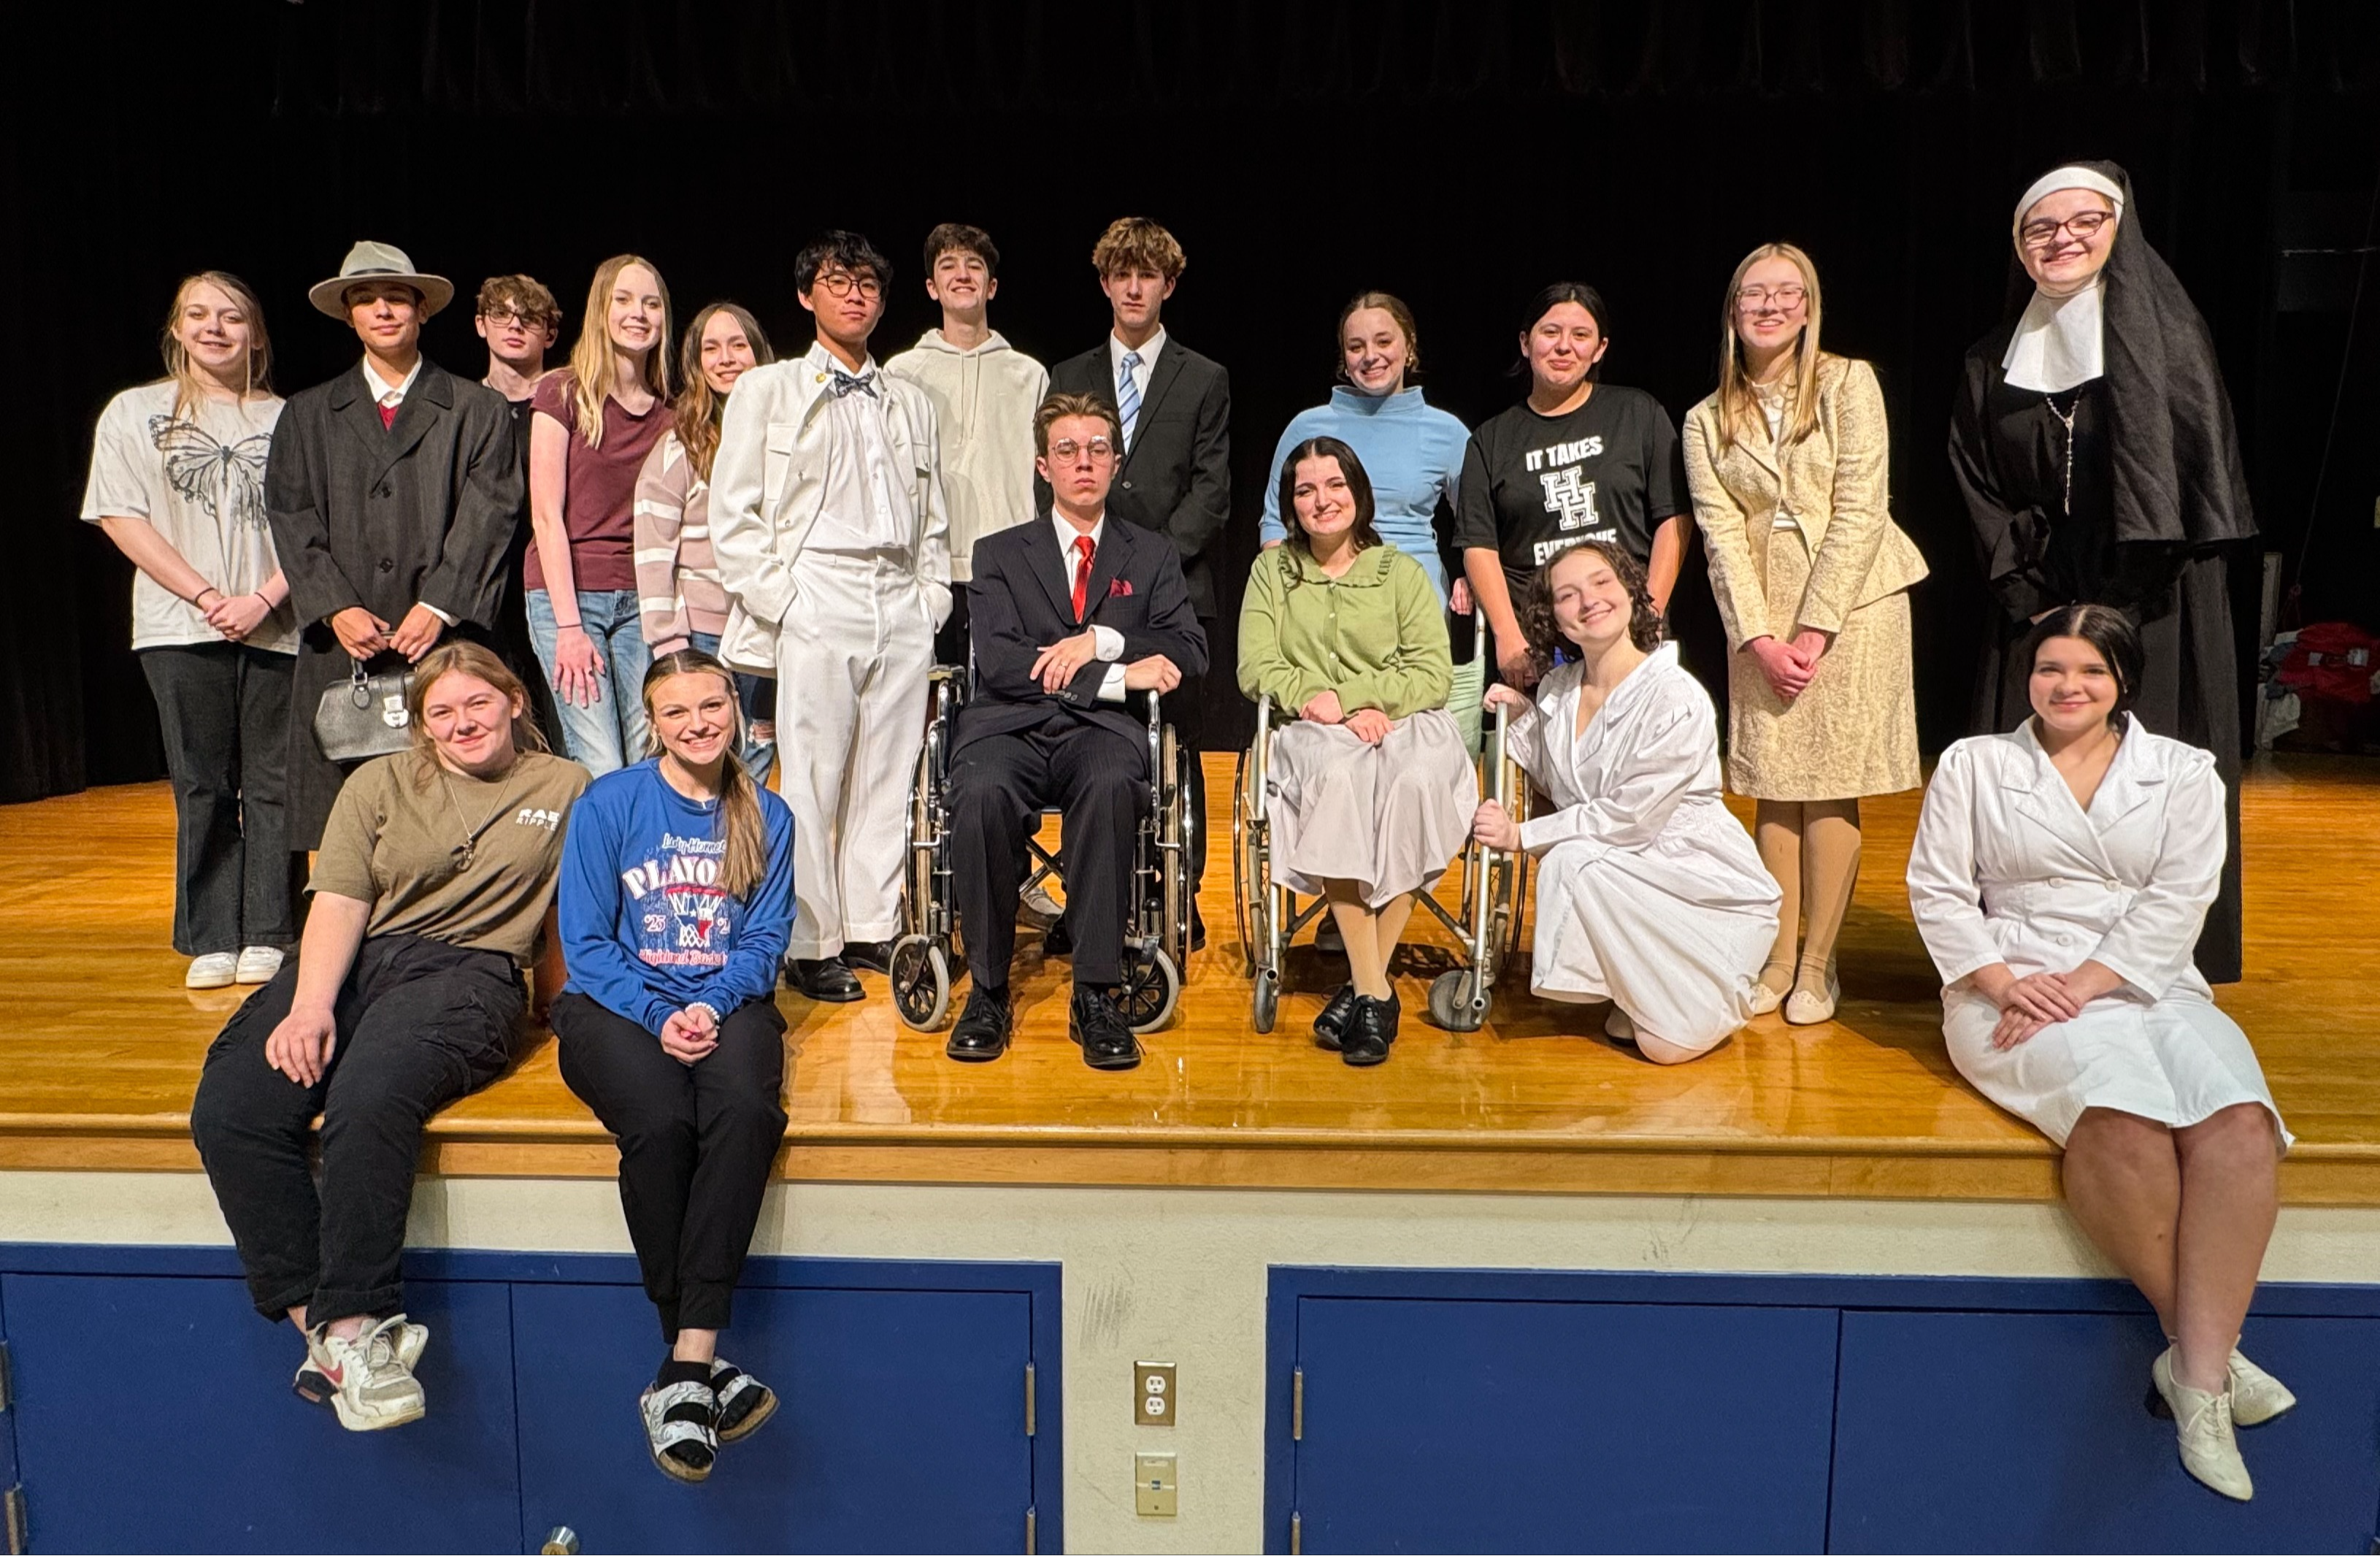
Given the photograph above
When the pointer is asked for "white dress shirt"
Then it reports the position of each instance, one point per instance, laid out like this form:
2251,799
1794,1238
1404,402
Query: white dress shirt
1107,643
867,508
389,396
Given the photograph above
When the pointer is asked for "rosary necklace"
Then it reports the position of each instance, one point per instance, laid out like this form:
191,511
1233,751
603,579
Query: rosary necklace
2066,420
464,853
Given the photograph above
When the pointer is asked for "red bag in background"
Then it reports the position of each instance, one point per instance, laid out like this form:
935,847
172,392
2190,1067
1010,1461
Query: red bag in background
2332,660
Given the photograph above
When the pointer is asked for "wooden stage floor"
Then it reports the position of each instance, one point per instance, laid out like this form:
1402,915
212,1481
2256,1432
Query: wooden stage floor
100,1046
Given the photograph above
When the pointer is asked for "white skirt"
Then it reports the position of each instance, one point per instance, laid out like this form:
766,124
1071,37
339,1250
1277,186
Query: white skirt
2177,1063
1388,817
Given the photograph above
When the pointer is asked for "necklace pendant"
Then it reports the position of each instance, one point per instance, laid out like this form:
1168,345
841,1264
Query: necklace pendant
463,853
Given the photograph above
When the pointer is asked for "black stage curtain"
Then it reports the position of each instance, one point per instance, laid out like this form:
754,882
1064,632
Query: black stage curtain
1461,155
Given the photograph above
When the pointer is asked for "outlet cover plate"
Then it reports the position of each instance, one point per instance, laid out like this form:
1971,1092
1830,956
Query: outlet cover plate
1156,1396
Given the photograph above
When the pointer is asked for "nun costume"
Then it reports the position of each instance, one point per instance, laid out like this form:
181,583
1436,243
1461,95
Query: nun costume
2093,440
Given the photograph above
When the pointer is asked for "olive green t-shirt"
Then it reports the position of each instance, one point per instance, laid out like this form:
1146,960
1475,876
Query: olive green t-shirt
397,839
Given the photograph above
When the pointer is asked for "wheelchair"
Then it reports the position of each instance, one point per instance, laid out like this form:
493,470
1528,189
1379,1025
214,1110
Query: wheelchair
1487,925
927,958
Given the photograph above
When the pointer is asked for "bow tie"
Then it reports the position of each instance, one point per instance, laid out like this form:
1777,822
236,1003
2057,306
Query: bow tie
846,383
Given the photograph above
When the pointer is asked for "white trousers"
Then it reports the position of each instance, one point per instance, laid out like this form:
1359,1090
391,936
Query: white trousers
852,658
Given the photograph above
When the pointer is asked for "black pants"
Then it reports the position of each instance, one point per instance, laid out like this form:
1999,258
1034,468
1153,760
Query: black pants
1099,781
1186,710
224,709
954,641
697,1145
420,1022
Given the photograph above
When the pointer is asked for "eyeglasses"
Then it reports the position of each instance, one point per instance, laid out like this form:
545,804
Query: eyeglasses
1065,450
1752,299
510,320
2083,225
842,282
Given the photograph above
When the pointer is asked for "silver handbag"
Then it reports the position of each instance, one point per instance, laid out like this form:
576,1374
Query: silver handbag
364,716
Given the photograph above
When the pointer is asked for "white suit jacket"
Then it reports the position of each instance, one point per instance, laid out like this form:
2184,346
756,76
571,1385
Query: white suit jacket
768,487
2007,868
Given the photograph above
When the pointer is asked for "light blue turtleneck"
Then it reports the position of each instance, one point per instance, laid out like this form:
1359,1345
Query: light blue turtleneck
1412,451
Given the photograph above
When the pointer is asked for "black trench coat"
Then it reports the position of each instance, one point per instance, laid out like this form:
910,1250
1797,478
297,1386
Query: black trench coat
383,518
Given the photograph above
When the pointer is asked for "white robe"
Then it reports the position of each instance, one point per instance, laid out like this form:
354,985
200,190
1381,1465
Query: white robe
2007,867
1650,893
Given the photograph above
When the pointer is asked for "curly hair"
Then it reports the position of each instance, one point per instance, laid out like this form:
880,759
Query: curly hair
1545,635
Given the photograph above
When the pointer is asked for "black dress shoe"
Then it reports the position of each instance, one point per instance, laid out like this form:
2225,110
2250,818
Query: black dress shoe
1058,939
1097,1024
1371,1028
827,982
1331,1025
867,955
983,1027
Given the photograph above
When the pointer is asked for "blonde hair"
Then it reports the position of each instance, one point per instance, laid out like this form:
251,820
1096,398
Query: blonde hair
1137,243
592,358
190,388
745,860
460,656
1739,407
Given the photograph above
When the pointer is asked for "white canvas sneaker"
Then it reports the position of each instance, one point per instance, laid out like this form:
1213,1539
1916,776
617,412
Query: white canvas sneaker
257,963
372,1388
217,969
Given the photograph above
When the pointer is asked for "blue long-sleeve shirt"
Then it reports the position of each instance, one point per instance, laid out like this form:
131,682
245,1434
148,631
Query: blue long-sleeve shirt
1412,451
647,929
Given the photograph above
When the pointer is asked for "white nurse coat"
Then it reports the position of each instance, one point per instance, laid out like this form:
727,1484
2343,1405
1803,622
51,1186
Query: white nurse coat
1649,893
2007,867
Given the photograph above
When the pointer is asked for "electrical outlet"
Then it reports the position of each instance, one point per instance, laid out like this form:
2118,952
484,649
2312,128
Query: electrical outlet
1156,1485
1155,1395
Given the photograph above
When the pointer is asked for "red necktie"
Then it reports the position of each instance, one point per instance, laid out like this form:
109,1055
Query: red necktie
387,417
1082,572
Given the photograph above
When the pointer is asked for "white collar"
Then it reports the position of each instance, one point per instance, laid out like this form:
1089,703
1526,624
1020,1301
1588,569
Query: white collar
2059,342
827,362
1147,348
383,393
1066,531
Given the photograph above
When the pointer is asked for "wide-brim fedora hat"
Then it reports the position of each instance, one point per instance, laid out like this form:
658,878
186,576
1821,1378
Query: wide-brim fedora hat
379,261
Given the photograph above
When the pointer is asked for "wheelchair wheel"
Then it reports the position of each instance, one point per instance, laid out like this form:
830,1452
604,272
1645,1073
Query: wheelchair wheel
1459,1002
1264,1000
1152,988
921,982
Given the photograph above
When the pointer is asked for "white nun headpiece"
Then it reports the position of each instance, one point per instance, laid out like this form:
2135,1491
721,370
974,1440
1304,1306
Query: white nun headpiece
2059,342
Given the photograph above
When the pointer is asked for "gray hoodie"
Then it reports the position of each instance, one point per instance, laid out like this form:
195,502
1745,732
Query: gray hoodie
984,400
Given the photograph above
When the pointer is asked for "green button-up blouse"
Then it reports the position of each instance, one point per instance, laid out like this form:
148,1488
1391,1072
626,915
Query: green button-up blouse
1375,635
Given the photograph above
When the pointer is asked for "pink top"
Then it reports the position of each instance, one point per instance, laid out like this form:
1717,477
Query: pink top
600,494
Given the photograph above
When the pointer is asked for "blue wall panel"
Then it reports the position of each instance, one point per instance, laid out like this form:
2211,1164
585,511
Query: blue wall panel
155,1414
1564,1426
2026,1431
901,1426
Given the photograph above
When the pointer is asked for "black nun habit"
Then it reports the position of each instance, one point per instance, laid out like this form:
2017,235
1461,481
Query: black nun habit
2124,488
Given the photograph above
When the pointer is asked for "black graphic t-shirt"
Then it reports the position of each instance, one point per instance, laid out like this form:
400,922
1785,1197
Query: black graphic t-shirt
1533,486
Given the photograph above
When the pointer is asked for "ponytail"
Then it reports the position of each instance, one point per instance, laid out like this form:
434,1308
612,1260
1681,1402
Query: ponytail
746,862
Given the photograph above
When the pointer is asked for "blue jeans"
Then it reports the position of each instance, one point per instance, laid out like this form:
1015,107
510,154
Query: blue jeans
757,695
608,734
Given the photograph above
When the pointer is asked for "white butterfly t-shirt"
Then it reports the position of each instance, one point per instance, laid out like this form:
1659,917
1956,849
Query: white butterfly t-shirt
199,481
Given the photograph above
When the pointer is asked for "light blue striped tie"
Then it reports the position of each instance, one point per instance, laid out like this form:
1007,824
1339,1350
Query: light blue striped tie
1128,393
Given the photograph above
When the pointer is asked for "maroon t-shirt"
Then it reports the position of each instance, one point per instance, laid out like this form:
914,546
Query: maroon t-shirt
599,497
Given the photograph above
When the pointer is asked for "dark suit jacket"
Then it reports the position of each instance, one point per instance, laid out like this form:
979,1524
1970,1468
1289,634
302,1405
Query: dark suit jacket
1022,600
381,518
1176,479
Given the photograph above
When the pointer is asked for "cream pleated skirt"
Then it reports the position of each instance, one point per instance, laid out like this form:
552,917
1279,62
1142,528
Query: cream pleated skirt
2177,1063
1388,817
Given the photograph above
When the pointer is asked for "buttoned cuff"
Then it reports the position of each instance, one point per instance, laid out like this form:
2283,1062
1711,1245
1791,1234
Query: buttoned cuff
1107,644
1111,686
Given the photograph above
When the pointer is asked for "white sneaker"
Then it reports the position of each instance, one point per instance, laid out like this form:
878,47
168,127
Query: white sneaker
217,969
2256,1395
2203,1429
372,1389
1040,906
309,1384
1619,1028
257,963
